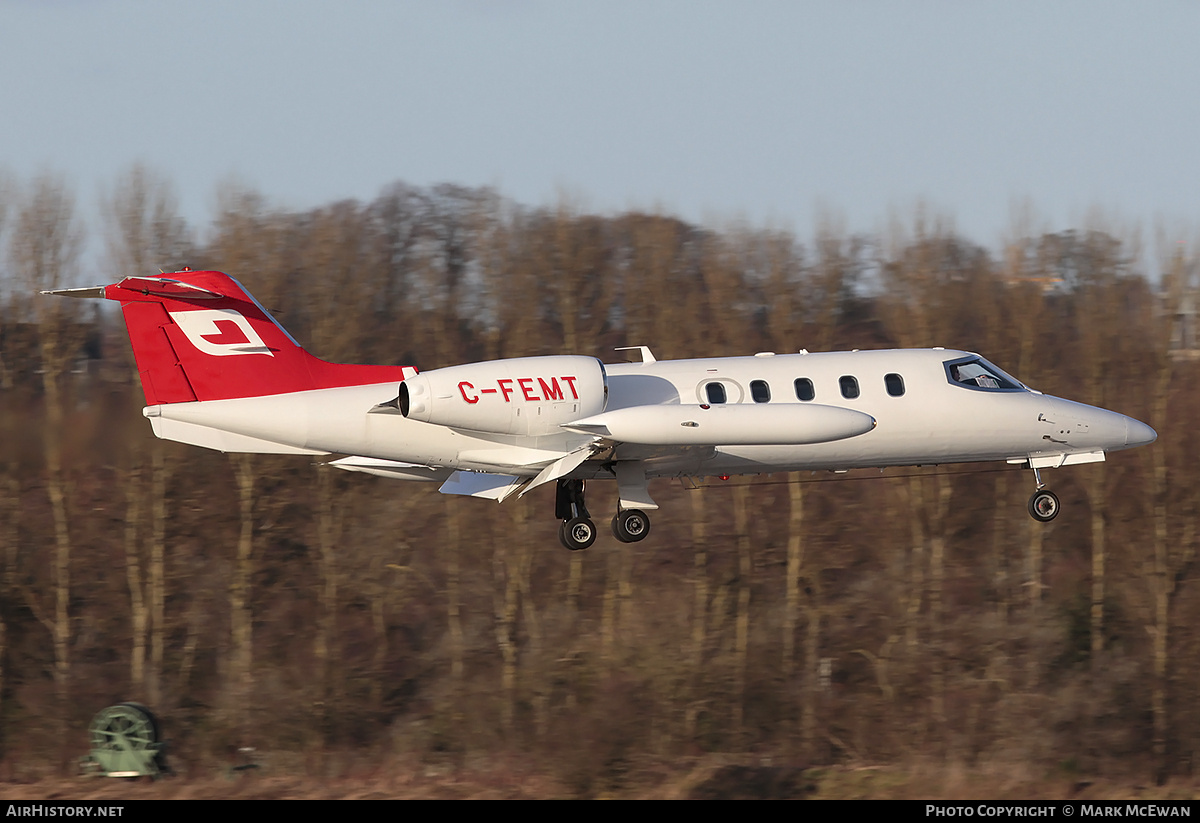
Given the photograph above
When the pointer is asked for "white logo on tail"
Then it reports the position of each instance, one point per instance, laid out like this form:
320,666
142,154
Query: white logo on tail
220,332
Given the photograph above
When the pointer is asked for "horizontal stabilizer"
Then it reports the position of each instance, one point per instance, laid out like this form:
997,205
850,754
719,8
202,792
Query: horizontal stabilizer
90,291
145,286
169,287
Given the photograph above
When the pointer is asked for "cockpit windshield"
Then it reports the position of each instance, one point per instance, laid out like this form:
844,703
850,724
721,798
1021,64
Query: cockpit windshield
976,373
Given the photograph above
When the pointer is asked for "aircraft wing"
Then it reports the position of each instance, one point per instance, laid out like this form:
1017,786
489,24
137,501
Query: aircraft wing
489,485
663,432
562,466
497,487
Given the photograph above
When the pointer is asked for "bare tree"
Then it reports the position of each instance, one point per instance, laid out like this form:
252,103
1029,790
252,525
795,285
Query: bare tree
1173,554
10,497
573,265
253,241
930,276
241,685
44,250
144,233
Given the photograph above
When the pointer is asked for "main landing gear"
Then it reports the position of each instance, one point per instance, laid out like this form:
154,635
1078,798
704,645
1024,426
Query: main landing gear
630,525
1043,505
577,531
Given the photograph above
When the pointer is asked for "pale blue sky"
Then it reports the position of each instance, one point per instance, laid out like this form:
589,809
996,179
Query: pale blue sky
710,110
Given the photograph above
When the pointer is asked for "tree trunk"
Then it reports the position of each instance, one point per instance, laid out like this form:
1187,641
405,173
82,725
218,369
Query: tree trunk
241,616
506,602
741,520
453,596
327,528
810,686
139,614
699,608
915,501
1163,579
795,562
11,502
56,487
1094,483
158,572
937,583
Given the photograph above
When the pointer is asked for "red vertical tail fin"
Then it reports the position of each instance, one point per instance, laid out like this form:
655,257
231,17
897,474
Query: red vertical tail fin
198,335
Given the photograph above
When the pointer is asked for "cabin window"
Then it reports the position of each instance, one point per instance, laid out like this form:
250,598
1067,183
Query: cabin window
715,393
976,373
849,386
760,391
804,389
894,384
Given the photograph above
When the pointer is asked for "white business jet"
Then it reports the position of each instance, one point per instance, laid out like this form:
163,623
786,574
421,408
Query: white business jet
219,372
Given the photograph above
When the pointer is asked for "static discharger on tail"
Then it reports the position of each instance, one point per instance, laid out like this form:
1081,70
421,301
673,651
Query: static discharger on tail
219,372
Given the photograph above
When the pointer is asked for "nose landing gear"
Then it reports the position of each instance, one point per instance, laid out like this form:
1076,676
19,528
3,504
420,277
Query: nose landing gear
1043,505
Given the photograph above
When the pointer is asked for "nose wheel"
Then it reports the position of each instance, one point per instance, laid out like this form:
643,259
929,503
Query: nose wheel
1043,505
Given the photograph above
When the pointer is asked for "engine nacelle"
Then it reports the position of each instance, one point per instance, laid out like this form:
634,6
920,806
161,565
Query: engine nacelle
523,396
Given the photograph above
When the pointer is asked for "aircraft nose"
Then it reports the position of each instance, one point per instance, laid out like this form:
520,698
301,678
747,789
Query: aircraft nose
1138,433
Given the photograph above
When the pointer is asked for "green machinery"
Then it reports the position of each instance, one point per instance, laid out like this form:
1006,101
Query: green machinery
126,743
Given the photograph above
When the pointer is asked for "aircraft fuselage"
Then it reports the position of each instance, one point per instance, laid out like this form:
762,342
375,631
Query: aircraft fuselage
921,415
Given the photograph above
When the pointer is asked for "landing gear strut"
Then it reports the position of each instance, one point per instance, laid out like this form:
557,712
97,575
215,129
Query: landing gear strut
577,531
1043,505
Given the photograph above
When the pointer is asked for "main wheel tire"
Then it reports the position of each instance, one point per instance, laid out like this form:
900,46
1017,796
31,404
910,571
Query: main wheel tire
577,533
631,525
1043,506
